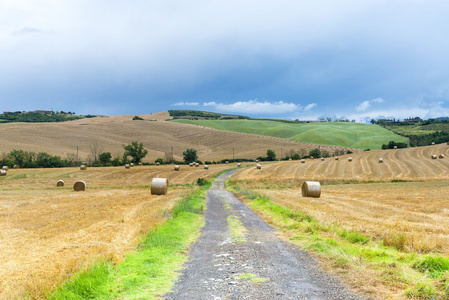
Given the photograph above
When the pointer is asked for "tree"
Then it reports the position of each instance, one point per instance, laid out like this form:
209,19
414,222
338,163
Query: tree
18,156
190,155
271,155
105,158
136,151
315,152
95,150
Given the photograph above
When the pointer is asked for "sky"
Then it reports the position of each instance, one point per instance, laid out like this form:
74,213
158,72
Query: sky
286,59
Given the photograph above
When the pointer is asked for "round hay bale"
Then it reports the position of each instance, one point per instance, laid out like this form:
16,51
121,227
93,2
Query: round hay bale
433,143
191,164
303,161
381,160
60,183
79,186
395,147
127,166
206,167
239,164
322,158
336,157
311,157
6,168
158,163
257,160
350,159
140,164
290,159
2,173
197,165
434,156
259,166
311,189
176,168
16,167
83,167
159,186
441,156
131,165
227,162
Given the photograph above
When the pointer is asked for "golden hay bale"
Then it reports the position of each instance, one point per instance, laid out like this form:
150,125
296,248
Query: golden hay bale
127,166
381,160
83,167
60,183
79,186
2,173
131,165
206,167
322,158
158,163
350,159
239,164
257,160
290,159
197,165
259,166
6,168
395,147
139,164
176,168
434,156
303,161
16,167
441,156
311,189
227,162
159,186
336,157
433,143
191,164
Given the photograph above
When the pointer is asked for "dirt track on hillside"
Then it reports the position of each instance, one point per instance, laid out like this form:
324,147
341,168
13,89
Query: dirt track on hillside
256,265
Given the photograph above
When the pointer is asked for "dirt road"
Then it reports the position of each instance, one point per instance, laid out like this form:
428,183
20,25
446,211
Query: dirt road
239,256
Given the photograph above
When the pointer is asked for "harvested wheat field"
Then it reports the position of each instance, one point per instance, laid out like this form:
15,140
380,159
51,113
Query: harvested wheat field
156,134
405,164
48,232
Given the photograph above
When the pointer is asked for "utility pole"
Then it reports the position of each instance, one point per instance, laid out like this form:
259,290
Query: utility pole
77,155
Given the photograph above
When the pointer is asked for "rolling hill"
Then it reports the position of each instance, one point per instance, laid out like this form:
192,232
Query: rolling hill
342,134
156,134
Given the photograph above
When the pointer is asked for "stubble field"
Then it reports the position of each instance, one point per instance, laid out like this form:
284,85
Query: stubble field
47,233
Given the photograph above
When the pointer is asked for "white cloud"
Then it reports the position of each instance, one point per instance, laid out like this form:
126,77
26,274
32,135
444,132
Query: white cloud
186,104
367,104
255,107
310,106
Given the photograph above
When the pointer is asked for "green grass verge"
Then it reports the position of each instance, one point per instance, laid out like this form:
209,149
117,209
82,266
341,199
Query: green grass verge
149,271
352,135
237,229
418,276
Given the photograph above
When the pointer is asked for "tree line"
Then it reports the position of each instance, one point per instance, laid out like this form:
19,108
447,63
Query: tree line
38,117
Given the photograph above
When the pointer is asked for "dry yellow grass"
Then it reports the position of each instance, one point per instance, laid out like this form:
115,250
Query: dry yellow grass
405,164
412,216
48,232
157,136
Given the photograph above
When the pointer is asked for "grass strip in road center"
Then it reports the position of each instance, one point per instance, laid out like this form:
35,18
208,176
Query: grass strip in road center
149,271
363,262
237,229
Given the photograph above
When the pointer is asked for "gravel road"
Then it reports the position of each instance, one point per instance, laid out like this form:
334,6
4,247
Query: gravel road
258,265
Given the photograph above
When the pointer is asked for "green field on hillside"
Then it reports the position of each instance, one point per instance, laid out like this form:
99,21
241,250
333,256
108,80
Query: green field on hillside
352,135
